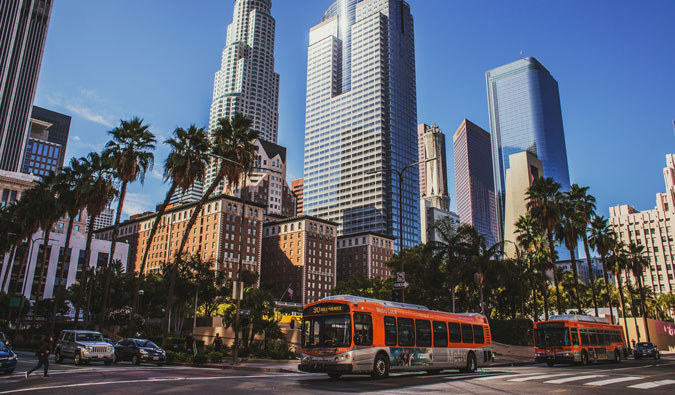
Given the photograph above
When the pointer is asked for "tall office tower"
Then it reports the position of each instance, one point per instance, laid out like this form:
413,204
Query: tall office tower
434,173
297,187
525,115
23,31
47,140
474,182
105,219
361,117
246,82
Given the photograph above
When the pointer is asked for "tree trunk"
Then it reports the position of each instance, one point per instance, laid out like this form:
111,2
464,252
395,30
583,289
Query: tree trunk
623,308
90,290
87,261
633,307
8,272
534,304
551,245
591,276
609,291
111,257
58,293
43,268
521,290
17,286
453,298
575,272
644,312
545,293
148,244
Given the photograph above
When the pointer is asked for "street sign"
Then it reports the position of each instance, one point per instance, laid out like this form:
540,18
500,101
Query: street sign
401,284
400,277
246,312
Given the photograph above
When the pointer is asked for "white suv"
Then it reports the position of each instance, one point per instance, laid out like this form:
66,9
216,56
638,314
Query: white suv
83,347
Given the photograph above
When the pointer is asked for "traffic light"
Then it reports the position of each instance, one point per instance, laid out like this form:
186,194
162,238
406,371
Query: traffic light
396,295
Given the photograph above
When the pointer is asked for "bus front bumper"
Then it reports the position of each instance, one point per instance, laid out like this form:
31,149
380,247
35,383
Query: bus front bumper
318,367
555,358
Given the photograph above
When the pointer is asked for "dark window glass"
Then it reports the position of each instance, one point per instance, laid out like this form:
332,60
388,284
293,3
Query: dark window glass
440,334
406,332
389,331
478,337
423,328
575,336
594,338
584,338
455,333
363,329
467,333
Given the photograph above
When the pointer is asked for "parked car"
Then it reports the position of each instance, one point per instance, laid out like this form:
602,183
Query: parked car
83,347
7,359
4,339
139,350
646,349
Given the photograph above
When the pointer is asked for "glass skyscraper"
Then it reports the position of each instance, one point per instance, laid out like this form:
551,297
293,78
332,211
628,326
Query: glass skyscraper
525,115
361,117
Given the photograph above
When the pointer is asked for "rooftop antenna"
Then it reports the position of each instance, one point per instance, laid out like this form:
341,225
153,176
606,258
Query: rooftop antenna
521,53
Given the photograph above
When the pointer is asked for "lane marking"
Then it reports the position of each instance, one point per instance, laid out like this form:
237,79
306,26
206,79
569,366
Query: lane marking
652,384
143,381
613,381
505,376
575,378
542,376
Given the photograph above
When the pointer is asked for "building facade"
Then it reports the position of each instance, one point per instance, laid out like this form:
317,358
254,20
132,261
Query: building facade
652,229
267,184
105,219
47,141
525,115
23,32
582,269
365,253
474,182
300,258
433,173
361,117
297,187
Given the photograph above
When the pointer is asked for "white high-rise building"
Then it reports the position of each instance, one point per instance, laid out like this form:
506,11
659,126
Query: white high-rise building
361,119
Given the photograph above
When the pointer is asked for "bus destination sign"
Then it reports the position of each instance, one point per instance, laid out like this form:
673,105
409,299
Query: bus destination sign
326,308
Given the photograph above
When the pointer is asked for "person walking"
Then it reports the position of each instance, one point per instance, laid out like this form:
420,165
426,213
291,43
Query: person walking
43,356
217,343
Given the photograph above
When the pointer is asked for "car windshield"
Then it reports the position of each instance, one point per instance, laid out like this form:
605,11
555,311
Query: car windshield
145,344
554,337
327,331
644,345
89,337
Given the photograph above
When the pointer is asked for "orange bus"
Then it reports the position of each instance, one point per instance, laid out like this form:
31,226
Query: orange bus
571,338
350,334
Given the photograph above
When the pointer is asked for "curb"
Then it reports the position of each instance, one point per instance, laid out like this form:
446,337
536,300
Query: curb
231,367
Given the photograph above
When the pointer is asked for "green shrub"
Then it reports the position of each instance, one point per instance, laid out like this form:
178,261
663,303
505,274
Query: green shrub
516,332
216,356
200,359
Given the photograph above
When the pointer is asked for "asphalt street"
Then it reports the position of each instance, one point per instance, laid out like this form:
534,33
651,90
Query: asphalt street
645,376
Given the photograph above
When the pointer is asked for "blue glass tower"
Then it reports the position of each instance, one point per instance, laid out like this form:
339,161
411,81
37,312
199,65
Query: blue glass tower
525,115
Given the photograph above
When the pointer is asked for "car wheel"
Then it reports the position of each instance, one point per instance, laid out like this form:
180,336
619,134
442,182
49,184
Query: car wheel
135,360
77,359
107,363
584,358
380,367
657,356
58,358
334,376
114,358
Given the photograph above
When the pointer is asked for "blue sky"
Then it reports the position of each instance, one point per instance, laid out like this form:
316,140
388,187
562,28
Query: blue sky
613,60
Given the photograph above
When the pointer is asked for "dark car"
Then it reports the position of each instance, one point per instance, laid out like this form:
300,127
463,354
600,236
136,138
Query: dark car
7,359
4,339
646,350
139,350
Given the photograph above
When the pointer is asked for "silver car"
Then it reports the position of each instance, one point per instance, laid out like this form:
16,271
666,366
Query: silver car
83,347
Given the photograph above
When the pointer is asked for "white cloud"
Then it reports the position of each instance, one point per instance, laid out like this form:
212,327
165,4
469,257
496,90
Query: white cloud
91,95
136,203
156,175
90,115
76,138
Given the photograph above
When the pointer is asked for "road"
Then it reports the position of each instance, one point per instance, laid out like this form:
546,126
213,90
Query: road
646,376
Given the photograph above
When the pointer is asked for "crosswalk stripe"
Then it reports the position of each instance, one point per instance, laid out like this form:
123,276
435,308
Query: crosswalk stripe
505,376
575,378
543,376
612,381
652,384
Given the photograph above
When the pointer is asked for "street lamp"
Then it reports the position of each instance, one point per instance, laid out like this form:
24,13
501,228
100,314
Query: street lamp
140,298
400,207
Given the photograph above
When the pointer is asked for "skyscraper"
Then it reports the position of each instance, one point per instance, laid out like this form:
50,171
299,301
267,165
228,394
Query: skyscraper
361,117
433,173
23,31
474,182
525,115
46,143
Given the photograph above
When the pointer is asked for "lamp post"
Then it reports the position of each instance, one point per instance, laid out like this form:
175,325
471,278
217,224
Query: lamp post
400,174
140,298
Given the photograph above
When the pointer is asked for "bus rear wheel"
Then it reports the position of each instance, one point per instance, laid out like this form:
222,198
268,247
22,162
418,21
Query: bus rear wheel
380,367
470,364
334,376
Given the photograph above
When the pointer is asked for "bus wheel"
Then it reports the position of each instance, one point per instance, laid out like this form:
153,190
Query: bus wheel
334,376
584,358
617,356
380,367
470,364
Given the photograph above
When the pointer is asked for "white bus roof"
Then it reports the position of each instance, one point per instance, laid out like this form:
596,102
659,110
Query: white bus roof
579,318
388,303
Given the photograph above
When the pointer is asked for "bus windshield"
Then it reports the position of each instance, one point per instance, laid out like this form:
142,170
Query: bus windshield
327,331
551,337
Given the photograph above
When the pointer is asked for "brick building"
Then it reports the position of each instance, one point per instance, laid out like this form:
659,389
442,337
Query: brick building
364,253
297,186
300,255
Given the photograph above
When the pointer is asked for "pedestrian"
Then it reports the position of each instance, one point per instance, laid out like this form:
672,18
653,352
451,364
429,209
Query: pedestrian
217,343
43,356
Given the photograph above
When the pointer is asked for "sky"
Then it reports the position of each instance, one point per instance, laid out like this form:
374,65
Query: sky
613,60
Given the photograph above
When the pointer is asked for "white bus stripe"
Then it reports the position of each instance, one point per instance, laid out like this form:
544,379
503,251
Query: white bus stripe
613,381
652,384
543,376
575,378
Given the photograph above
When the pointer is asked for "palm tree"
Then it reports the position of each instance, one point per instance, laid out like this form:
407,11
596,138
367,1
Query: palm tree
448,250
529,236
11,237
186,164
543,199
638,264
603,240
131,156
617,262
585,207
567,231
233,143
479,256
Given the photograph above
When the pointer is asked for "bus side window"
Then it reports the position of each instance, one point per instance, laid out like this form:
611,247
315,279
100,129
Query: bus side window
594,337
440,334
423,331
575,336
478,337
455,333
467,333
363,329
584,338
390,331
406,332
